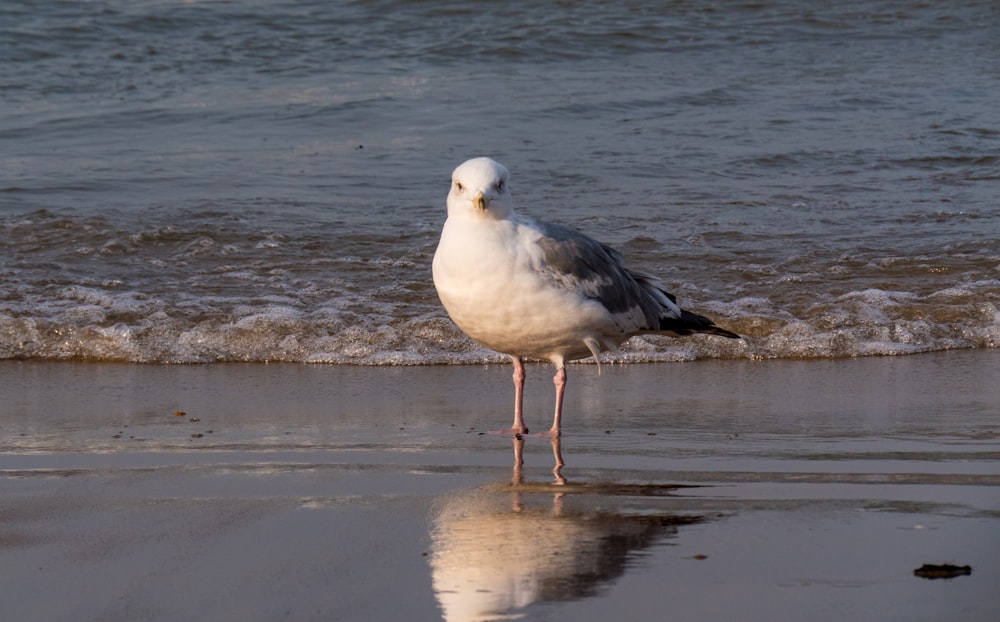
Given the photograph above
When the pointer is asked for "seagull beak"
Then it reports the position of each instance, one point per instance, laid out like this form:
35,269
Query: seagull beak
480,201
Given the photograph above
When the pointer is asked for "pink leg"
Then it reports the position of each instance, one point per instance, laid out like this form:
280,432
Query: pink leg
560,381
518,427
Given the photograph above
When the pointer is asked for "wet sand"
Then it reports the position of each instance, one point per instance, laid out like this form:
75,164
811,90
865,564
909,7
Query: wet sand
692,491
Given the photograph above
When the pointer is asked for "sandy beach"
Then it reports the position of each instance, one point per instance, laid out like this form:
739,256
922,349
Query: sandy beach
716,490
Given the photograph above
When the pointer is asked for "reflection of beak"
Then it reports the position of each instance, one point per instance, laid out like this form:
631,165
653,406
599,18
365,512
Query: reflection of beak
480,201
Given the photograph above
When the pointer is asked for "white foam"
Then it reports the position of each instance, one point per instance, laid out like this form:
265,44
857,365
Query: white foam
274,315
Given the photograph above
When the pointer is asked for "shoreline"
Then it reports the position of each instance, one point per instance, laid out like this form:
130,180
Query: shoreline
713,489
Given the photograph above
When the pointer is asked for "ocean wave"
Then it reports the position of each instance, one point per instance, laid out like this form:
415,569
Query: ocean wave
91,325
211,284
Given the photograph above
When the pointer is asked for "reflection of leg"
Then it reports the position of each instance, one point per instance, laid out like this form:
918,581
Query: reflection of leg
557,503
518,397
518,457
517,478
557,454
560,381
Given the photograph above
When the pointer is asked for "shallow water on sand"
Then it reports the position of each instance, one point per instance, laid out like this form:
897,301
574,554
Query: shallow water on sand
810,490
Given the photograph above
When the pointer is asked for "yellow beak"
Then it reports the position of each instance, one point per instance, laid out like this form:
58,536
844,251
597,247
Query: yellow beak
479,201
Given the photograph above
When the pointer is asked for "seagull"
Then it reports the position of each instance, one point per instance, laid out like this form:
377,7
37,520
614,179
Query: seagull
533,289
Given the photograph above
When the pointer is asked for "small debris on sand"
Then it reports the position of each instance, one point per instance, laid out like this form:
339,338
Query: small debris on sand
942,571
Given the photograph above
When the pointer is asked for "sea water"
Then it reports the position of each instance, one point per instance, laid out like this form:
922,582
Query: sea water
199,181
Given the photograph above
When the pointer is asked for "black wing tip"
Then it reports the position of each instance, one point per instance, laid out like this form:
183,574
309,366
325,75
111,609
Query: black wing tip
722,332
691,323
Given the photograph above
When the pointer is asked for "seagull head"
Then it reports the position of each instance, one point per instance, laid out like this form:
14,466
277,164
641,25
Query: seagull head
479,189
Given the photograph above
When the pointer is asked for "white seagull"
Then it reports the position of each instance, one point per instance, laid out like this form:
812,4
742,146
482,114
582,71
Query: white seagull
539,290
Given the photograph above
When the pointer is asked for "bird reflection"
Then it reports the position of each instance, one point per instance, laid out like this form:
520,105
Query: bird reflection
499,548
556,454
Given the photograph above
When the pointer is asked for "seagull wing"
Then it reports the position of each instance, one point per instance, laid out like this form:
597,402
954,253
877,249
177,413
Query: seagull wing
638,302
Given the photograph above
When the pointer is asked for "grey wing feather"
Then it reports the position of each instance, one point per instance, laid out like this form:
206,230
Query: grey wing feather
598,272
637,300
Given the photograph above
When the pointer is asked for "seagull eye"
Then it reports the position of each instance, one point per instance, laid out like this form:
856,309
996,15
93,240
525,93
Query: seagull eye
500,185
459,186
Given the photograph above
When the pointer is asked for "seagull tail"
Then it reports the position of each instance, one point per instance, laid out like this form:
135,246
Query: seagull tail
690,323
669,322
722,332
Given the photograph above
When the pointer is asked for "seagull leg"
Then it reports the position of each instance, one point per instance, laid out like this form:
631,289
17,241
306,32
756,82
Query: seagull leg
518,427
560,381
